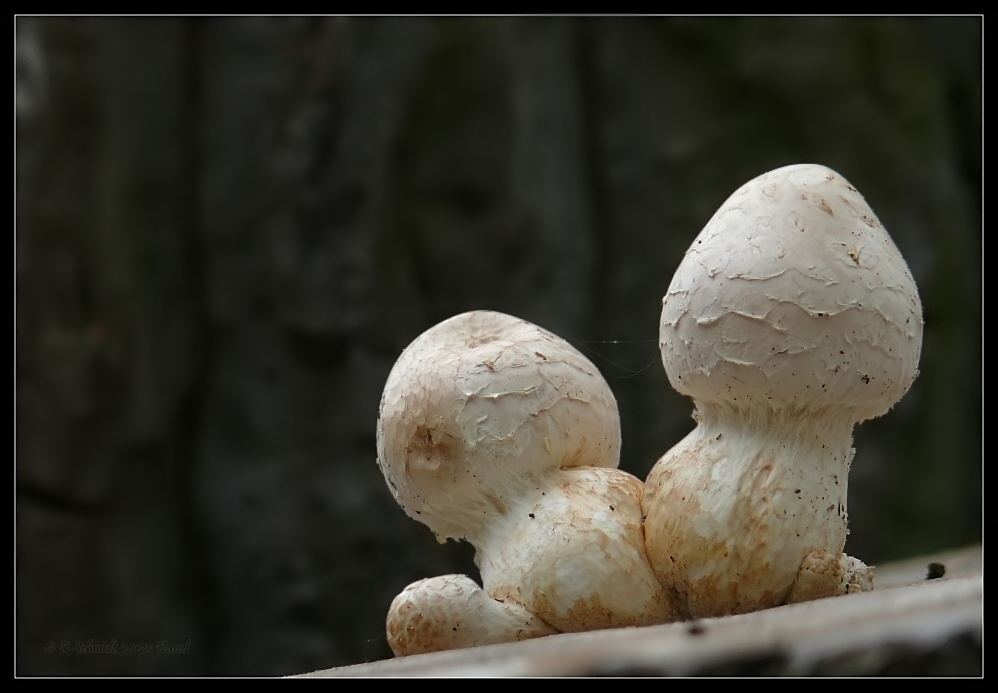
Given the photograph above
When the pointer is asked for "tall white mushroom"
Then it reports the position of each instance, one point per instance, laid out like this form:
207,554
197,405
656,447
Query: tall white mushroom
791,318
494,430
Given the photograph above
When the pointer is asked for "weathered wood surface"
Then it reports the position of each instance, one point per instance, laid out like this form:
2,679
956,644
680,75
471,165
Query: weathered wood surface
908,626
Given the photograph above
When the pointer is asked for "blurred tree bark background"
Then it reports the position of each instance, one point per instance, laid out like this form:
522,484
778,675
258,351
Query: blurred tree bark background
228,229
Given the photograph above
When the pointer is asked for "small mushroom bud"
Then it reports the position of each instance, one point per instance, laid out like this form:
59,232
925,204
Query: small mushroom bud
450,612
791,318
496,431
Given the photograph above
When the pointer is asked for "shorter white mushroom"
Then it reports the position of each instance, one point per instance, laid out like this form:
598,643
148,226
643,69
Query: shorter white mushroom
791,318
496,431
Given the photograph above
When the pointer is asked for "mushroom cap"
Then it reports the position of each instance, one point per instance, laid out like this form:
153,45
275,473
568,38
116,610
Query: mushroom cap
477,407
793,296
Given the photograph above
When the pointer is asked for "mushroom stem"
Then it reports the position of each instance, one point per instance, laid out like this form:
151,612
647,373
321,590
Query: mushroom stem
740,502
592,572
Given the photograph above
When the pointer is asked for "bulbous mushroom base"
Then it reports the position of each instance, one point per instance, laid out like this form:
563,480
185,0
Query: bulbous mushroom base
740,517
823,575
450,612
571,550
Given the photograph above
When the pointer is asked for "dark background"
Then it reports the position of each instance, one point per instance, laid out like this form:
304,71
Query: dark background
228,229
